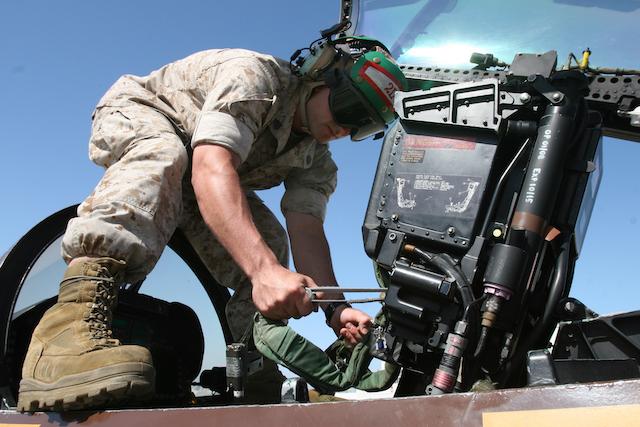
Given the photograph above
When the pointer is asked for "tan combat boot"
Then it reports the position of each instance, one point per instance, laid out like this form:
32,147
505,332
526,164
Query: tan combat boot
72,361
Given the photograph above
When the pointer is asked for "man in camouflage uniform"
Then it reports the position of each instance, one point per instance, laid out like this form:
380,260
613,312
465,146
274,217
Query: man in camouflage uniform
186,147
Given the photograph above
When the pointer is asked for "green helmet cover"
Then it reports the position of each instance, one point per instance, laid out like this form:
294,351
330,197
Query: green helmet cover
378,78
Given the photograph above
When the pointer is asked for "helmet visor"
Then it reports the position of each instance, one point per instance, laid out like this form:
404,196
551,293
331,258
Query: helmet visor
351,110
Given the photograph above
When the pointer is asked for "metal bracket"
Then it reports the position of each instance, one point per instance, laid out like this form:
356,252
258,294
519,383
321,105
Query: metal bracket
474,105
546,89
540,368
526,64
390,248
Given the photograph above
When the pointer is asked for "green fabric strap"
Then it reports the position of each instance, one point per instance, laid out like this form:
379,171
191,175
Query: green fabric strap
349,367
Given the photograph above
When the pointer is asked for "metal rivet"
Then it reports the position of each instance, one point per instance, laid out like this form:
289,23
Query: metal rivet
395,217
393,237
556,96
451,231
525,97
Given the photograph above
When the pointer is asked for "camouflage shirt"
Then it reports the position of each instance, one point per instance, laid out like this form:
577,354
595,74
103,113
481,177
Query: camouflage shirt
244,101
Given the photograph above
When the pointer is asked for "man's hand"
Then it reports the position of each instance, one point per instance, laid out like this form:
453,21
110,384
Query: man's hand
351,324
279,293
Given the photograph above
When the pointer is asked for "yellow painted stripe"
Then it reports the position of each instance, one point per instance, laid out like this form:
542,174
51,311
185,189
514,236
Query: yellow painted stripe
19,425
600,416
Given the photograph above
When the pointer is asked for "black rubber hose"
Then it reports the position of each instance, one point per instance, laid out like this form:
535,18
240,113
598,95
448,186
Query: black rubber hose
555,294
467,310
481,341
493,305
445,264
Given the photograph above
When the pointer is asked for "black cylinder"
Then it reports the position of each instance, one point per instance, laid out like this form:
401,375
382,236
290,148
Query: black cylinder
422,280
545,171
505,266
547,162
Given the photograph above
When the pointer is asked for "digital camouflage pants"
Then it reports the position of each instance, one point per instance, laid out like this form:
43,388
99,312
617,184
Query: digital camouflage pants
144,195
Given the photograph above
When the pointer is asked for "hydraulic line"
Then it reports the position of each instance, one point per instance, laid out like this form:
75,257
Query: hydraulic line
467,310
556,291
555,294
494,198
445,264
444,378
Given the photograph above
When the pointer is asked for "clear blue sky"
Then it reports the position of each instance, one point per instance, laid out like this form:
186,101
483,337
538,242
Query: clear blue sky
58,58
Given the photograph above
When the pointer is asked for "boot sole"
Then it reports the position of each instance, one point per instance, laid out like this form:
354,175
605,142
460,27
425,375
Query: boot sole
88,390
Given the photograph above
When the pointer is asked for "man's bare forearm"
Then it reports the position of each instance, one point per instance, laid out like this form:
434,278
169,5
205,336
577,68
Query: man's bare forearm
312,257
225,210
310,249
277,292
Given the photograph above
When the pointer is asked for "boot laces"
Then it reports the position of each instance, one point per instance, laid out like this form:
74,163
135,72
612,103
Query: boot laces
100,313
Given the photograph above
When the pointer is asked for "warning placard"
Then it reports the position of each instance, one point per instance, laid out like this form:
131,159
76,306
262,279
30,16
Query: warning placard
438,142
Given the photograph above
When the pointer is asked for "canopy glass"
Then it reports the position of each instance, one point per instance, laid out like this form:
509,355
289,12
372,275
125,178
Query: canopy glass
444,33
